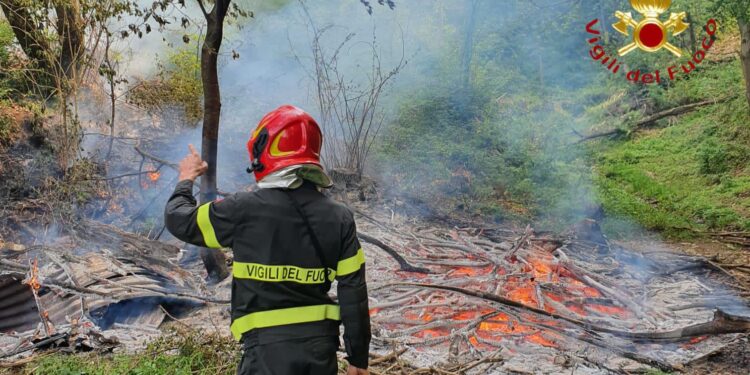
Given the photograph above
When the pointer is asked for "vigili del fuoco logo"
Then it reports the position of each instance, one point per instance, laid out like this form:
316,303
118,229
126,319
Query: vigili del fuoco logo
650,34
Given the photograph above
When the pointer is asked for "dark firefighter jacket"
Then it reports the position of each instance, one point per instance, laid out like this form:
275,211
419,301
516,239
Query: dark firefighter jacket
279,281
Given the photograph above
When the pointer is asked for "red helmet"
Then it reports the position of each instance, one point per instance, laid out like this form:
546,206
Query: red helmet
285,137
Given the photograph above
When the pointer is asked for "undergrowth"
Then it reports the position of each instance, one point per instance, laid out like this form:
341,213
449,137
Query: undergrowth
689,174
183,351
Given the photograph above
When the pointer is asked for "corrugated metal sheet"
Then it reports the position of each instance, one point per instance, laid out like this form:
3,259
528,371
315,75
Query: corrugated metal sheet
109,291
18,310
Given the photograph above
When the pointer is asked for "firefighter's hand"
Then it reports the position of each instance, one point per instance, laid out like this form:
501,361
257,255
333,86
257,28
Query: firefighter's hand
191,167
356,371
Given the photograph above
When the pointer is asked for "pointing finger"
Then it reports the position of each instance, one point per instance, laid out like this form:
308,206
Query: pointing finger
192,149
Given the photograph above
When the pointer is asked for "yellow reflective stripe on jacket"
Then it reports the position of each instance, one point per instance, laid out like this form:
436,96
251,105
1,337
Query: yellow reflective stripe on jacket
264,272
207,230
351,265
280,317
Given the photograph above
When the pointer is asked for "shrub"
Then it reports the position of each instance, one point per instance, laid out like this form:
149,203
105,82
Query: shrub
177,85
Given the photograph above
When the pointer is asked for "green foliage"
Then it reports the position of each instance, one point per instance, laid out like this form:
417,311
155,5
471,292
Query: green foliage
184,352
6,40
506,158
739,9
7,125
692,175
178,83
12,80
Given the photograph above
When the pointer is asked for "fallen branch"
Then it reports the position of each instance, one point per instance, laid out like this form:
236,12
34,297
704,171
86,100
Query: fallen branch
617,131
721,324
676,111
156,158
680,110
405,266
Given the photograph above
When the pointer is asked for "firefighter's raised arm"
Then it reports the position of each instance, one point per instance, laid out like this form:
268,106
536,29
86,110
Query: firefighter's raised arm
209,225
352,294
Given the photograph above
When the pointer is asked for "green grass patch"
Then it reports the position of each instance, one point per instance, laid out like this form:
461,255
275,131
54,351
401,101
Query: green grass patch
183,352
692,173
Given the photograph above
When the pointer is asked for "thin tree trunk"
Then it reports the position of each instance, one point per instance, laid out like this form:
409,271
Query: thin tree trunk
214,260
745,54
112,95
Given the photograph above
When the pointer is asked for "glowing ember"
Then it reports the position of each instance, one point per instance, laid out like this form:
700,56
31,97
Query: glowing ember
537,281
608,310
466,315
693,341
577,309
525,295
153,175
473,340
431,333
425,317
464,271
539,338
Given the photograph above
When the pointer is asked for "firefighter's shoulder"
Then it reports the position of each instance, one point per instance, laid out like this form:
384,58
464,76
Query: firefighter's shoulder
342,211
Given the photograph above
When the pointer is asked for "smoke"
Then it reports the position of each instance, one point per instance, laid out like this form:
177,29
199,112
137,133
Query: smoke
510,137
518,78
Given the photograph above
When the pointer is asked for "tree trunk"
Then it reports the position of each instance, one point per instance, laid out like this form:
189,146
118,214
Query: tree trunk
70,31
214,260
29,36
745,54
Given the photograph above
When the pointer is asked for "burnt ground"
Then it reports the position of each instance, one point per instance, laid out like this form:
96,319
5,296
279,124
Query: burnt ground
734,358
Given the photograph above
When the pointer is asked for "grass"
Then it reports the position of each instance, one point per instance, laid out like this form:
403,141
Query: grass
690,174
182,352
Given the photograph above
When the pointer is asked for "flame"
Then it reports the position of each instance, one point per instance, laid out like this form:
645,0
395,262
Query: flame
374,312
153,175
541,269
33,280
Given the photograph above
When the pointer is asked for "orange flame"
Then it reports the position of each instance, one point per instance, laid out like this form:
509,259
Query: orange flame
33,281
154,176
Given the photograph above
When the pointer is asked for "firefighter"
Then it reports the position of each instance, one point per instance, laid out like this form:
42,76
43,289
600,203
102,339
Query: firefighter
290,242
